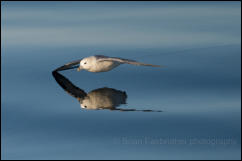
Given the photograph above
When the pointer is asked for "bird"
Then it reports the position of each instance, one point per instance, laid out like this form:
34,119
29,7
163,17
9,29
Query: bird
100,63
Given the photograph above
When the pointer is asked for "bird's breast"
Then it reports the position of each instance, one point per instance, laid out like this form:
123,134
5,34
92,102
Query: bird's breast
104,66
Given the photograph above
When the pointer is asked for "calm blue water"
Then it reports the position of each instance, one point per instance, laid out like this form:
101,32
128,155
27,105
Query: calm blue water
198,92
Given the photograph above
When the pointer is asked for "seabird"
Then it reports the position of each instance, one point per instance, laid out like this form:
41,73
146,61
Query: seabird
100,63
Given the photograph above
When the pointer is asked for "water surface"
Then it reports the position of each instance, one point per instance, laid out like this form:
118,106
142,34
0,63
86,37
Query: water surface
198,92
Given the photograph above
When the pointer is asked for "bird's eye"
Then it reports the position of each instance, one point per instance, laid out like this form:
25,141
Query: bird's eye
85,106
85,63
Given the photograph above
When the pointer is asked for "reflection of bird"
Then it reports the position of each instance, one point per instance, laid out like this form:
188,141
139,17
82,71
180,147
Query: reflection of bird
102,98
100,63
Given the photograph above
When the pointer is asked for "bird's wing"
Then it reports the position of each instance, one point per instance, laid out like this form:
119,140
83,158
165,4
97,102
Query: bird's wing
71,65
131,109
68,86
124,61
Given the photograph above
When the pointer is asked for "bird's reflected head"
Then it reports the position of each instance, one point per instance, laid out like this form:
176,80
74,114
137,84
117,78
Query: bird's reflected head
83,106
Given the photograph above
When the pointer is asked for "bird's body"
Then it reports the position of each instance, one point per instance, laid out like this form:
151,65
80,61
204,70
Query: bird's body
95,64
104,66
100,63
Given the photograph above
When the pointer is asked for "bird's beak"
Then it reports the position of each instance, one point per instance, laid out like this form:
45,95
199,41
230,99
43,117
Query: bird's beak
79,68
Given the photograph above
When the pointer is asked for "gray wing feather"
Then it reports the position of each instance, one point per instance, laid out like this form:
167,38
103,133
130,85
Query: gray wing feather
70,65
124,61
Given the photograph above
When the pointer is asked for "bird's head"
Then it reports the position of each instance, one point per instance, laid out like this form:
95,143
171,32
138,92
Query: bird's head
85,63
